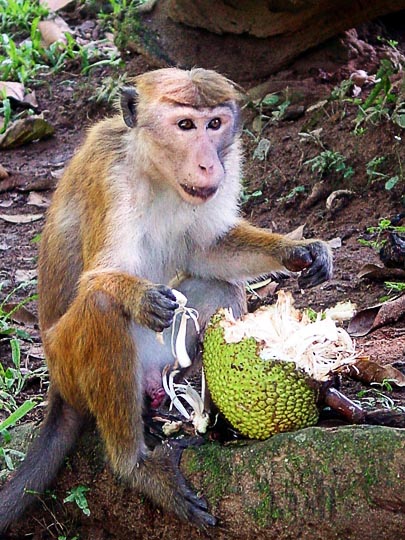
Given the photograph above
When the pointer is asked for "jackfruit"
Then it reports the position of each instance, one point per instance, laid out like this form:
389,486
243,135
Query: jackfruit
257,380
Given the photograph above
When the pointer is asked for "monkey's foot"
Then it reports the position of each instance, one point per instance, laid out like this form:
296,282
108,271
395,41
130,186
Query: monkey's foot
185,502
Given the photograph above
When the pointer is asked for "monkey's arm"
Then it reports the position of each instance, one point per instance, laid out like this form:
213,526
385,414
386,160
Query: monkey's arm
247,251
144,302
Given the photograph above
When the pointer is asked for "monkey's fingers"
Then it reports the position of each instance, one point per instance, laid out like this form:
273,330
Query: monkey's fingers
298,258
158,324
159,305
321,268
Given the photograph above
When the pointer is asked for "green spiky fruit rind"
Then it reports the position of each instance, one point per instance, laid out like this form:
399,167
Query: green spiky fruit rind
258,397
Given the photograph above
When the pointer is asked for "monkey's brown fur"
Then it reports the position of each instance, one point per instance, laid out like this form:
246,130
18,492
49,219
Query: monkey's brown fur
151,194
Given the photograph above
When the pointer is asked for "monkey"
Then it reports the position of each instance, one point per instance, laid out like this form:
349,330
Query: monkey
151,196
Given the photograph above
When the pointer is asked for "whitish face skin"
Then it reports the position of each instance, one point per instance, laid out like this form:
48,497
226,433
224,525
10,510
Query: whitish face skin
192,144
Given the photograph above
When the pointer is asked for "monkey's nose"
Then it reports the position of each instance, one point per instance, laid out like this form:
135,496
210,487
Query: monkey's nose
207,169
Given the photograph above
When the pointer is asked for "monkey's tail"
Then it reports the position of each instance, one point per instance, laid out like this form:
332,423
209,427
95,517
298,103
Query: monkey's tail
57,436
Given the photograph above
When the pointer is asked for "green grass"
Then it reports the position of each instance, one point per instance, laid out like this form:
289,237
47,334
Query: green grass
386,101
17,16
374,398
374,173
329,161
378,232
14,376
395,286
21,61
23,58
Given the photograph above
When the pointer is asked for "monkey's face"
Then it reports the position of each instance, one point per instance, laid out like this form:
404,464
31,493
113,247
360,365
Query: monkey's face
192,145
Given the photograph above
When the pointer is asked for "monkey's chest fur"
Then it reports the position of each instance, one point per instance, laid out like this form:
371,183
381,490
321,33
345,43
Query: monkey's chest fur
158,241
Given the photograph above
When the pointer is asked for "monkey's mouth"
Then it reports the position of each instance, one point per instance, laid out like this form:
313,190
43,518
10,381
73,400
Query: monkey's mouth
202,193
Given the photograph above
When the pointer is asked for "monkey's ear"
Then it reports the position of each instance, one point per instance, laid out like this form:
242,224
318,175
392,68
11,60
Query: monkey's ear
128,99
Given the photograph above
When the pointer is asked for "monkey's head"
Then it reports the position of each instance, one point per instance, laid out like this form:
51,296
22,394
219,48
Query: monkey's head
188,123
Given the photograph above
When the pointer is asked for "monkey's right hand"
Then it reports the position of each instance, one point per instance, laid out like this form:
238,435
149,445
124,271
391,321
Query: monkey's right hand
157,307
314,259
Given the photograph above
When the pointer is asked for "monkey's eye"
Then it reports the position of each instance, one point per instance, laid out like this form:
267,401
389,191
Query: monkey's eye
186,124
215,123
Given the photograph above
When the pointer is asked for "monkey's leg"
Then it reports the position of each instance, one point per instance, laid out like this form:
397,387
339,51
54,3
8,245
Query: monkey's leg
94,360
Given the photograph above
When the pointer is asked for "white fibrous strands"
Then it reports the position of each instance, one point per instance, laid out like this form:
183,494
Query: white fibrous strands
184,391
179,341
318,347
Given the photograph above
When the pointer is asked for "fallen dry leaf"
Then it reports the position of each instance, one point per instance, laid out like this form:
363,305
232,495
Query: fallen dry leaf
3,172
22,276
35,199
361,77
264,288
16,91
335,243
10,183
373,317
25,183
54,5
21,218
25,130
31,100
58,173
6,204
36,351
337,199
320,190
369,372
53,30
21,314
296,234
38,184
380,273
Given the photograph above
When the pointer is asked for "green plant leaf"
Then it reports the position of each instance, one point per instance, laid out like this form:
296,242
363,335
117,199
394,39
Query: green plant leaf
270,99
19,413
78,496
391,183
399,119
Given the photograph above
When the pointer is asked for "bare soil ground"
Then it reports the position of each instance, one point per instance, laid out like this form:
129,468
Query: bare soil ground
269,184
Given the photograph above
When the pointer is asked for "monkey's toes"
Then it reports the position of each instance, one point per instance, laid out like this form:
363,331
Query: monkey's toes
203,519
196,509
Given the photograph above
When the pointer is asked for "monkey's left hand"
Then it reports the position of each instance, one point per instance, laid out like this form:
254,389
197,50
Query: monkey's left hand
314,259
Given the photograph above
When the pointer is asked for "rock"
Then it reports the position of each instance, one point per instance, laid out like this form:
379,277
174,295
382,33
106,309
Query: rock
328,483
244,40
